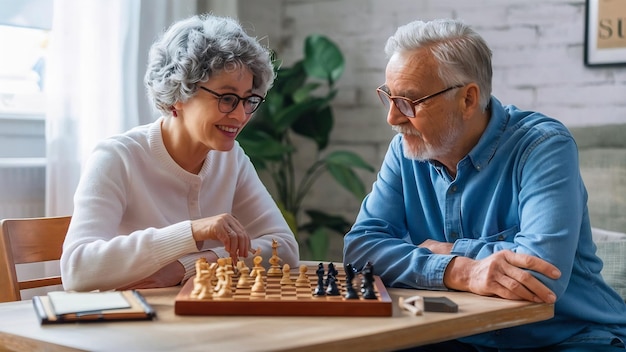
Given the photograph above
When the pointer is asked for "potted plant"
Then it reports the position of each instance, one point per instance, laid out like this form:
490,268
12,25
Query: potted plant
299,103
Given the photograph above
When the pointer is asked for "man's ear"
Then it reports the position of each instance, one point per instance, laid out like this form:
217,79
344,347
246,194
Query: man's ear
471,99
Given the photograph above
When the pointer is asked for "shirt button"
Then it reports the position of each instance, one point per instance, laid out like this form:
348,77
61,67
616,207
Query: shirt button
500,238
454,235
453,189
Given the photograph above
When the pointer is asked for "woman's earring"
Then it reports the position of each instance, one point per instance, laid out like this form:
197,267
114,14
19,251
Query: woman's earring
174,112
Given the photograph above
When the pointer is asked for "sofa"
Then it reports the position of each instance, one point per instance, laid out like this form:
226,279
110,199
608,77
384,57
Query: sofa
602,155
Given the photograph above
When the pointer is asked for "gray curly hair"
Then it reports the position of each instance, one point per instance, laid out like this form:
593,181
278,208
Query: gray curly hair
193,50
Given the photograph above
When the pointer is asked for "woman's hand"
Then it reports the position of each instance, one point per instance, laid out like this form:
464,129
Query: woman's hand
226,229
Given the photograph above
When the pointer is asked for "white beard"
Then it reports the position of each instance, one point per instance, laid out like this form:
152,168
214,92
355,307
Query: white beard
422,150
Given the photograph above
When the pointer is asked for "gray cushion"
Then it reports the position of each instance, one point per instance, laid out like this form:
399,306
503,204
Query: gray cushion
602,136
614,271
604,173
602,154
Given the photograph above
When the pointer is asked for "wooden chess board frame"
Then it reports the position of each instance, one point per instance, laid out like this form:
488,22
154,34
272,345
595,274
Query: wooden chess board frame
276,303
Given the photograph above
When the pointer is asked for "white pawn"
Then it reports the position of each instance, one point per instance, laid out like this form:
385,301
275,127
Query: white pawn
303,278
286,279
258,286
244,278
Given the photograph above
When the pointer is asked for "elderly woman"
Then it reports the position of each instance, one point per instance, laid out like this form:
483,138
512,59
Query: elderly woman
155,199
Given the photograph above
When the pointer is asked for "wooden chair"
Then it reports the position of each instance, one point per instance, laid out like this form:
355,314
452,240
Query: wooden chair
29,240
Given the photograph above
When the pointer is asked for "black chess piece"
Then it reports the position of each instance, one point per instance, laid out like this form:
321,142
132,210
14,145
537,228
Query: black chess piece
367,283
350,292
332,289
319,290
332,272
365,276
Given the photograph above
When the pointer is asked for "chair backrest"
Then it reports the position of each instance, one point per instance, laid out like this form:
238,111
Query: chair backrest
29,240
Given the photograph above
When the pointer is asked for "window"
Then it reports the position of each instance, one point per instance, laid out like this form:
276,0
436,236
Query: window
24,31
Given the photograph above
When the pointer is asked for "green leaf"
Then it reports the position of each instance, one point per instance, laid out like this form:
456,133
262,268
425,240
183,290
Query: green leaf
290,218
304,92
288,80
315,125
323,59
286,117
274,102
348,158
258,144
348,179
320,219
318,244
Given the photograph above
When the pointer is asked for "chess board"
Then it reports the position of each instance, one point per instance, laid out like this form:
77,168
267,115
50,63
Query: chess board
280,300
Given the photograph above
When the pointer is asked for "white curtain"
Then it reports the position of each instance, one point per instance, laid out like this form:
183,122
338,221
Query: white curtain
97,59
94,87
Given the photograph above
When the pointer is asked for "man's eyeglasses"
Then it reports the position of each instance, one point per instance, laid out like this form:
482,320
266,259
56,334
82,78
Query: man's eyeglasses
228,102
406,105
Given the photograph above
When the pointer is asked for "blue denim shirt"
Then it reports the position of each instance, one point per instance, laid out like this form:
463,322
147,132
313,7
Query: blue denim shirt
519,189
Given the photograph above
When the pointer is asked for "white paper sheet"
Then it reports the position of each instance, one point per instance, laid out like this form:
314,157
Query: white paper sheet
80,302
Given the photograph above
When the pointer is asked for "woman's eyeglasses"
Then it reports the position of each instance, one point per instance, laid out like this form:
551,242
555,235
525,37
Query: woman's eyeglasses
228,102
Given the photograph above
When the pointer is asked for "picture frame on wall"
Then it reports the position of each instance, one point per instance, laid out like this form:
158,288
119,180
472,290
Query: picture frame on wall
605,32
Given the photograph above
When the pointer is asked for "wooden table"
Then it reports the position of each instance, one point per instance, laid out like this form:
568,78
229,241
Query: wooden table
20,330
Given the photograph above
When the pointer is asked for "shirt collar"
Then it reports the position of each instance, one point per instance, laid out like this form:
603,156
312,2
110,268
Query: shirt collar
484,150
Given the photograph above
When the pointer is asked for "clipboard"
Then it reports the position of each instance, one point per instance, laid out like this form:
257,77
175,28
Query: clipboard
92,307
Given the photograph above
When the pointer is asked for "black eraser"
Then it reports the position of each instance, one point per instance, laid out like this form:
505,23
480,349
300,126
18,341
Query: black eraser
440,304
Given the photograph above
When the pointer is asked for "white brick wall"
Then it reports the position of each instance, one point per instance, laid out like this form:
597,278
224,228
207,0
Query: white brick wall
538,50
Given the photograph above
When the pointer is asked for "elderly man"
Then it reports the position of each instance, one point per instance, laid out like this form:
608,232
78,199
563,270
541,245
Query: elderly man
480,197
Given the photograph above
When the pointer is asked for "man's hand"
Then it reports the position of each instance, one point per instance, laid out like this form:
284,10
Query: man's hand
502,274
